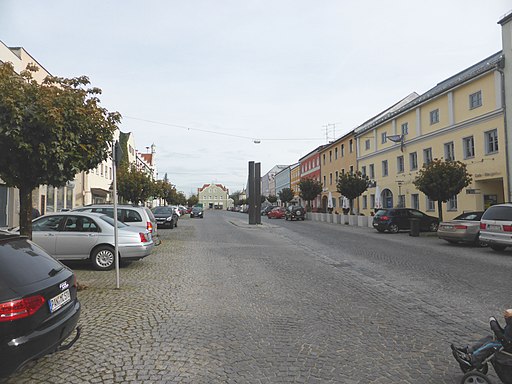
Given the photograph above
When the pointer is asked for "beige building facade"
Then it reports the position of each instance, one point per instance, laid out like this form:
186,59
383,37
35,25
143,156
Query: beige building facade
213,196
462,118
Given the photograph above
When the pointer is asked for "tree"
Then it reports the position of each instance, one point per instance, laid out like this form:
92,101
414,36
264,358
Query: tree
236,197
133,185
286,195
352,185
309,190
192,200
272,199
49,132
441,180
164,190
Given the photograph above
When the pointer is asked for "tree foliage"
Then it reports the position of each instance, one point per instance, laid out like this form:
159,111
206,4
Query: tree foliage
49,132
192,200
134,186
309,190
286,195
272,199
163,189
352,185
441,180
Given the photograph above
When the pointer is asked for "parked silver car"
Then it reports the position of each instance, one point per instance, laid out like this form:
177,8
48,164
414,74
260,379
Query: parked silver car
496,226
134,216
83,235
464,228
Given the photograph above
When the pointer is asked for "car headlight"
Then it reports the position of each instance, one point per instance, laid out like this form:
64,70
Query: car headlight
169,218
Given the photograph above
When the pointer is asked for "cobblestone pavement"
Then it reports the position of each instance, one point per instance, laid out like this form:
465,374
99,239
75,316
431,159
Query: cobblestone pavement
224,302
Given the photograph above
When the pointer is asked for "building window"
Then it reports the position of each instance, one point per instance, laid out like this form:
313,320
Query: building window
324,158
405,128
363,170
372,200
367,144
400,164
451,204
431,206
383,137
330,156
351,146
449,151
491,141
468,145
336,153
342,150
475,100
372,171
337,175
415,201
365,202
351,169
434,116
330,178
427,156
384,167
413,161
324,182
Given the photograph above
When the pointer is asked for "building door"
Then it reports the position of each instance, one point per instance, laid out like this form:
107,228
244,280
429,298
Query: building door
3,206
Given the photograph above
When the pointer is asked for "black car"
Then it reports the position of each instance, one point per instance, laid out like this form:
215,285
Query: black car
165,216
295,212
39,307
197,212
397,219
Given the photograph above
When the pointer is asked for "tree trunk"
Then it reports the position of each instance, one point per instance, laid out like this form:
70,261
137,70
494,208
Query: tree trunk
440,209
26,211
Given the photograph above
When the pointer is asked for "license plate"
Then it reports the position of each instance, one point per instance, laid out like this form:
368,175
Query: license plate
493,227
447,226
58,301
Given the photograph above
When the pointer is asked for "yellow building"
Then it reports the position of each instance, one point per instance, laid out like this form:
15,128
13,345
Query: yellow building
336,158
462,118
295,180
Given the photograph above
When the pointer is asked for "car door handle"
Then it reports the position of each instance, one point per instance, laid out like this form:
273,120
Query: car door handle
50,234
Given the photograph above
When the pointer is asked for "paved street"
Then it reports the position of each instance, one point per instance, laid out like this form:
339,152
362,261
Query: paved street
221,301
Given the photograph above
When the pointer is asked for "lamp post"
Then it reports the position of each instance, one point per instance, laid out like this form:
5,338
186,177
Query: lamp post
400,200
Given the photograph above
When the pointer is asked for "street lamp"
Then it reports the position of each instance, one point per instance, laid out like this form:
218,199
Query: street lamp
400,200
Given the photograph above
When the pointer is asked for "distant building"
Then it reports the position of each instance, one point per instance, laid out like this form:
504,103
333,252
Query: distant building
213,196
268,183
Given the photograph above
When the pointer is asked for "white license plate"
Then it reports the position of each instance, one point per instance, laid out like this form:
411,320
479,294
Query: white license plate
59,300
493,227
447,226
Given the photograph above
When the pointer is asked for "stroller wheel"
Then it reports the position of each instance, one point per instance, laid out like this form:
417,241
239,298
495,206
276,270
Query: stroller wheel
475,377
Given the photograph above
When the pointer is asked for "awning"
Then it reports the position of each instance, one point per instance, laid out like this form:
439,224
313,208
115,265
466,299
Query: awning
100,192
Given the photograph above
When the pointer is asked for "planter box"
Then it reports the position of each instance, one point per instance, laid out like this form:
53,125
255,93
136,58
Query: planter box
330,218
362,221
352,220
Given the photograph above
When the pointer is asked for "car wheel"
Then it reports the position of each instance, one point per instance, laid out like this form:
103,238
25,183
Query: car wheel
393,228
171,224
497,247
433,227
102,258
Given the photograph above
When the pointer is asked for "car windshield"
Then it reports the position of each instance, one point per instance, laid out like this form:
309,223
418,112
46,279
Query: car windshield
159,210
498,213
473,216
110,220
197,209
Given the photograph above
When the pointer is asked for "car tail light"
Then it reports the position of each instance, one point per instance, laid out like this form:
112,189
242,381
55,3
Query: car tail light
384,217
461,226
149,227
143,237
507,228
483,226
19,309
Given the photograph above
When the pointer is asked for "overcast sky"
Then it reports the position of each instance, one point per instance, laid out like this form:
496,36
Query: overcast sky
203,80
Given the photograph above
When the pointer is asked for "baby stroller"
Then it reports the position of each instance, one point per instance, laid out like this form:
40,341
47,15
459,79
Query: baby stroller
500,359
